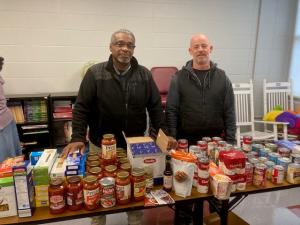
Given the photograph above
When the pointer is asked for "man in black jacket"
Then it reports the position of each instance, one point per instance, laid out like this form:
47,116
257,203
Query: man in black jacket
200,103
114,97
200,100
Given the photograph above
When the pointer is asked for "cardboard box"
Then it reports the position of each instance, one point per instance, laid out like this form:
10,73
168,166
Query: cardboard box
142,152
58,169
8,205
24,189
41,195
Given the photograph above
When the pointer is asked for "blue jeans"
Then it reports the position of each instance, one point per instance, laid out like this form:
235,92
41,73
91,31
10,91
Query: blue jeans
9,142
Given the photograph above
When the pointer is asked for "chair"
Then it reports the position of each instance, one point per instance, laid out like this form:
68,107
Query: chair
244,110
278,94
162,77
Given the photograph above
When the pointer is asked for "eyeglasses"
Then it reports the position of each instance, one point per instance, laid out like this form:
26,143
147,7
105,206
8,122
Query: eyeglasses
123,44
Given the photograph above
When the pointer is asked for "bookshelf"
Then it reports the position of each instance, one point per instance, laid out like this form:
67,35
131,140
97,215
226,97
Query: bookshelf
61,105
31,113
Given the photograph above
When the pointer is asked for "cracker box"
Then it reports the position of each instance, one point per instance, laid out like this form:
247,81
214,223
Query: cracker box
142,152
58,169
24,189
8,205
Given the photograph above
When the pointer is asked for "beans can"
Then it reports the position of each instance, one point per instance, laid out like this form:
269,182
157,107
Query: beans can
257,147
259,175
247,143
262,159
263,152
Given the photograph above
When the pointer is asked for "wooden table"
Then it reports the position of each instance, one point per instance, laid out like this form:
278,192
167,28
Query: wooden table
223,207
42,215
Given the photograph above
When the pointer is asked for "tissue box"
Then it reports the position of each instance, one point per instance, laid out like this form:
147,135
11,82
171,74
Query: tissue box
8,205
24,189
142,152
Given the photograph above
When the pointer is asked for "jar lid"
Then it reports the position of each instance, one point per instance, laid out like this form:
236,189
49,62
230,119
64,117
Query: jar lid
110,168
74,179
95,170
94,163
138,172
90,179
122,174
107,181
123,160
125,166
93,158
56,181
121,155
108,136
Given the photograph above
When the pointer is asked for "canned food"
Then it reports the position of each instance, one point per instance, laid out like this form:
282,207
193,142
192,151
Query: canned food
216,139
273,156
295,158
284,162
284,152
257,147
182,145
249,173
206,139
262,159
107,187
270,165
194,149
293,173
271,146
253,161
277,174
259,175
263,152
108,202
203,146
247,143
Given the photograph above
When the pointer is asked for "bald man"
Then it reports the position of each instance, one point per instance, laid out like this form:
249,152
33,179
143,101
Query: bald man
200,100
200,103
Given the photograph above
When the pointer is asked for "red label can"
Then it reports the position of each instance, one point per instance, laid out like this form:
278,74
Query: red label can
277,174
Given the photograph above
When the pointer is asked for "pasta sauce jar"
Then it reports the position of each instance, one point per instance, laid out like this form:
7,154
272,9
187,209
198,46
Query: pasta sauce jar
110,171
109,148
74,193
123,188
56,191
91,192
138,183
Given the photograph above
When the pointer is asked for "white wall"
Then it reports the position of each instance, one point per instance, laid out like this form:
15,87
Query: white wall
46,42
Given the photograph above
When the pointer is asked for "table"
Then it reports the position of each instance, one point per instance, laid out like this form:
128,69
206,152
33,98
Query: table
223,207
42,215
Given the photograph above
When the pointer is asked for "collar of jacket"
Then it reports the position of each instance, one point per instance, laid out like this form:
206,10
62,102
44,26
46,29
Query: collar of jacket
109,66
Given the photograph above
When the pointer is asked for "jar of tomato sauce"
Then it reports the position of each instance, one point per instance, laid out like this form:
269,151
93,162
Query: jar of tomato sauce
123,188
110,171
74,193
138,183
126,167
96,171
91,192
109,147
56,191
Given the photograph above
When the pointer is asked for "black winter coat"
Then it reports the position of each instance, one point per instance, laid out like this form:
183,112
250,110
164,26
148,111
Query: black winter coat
105,107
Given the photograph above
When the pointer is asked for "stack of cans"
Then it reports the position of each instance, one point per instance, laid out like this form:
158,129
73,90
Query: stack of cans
203,175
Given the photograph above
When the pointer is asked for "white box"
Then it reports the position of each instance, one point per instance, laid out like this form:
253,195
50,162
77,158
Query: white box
145,156
8,205
24,189
58,169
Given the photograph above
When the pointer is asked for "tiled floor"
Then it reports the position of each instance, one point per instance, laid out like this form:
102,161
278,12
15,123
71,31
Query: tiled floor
259,209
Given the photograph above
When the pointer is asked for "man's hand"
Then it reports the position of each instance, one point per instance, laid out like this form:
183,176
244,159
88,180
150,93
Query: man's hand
72,147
